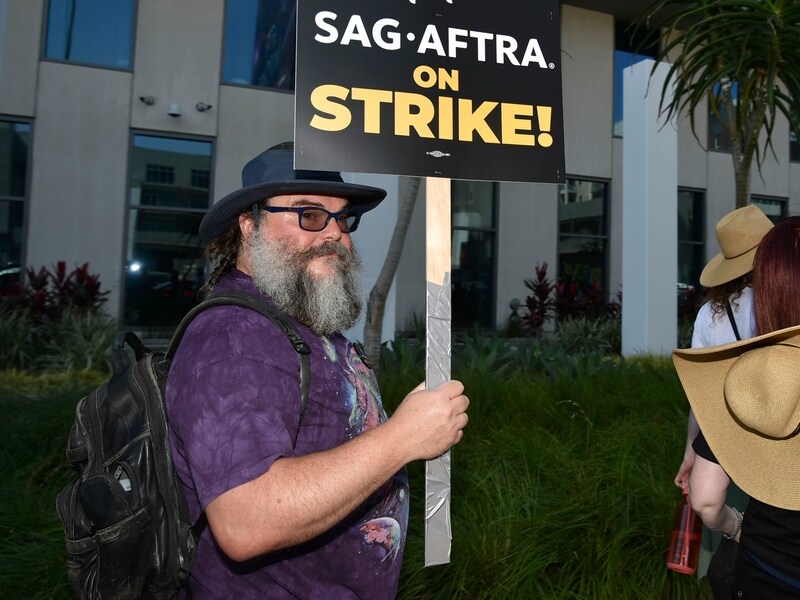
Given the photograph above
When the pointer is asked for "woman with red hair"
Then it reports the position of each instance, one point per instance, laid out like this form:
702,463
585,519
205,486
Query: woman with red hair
746,398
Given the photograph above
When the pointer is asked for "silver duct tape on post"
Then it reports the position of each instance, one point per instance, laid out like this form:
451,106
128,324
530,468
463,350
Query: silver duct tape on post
437,471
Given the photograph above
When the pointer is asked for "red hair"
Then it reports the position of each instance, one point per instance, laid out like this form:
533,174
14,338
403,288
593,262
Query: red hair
776,278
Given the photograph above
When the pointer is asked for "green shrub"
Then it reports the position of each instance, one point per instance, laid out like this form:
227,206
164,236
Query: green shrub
561,489
582,335
70,341
37,415
19,334
78,341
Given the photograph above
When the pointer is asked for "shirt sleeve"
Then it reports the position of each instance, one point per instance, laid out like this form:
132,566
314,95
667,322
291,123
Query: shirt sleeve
702,448
233,419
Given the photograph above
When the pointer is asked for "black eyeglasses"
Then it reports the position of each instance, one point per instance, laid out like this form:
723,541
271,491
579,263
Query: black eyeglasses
313,218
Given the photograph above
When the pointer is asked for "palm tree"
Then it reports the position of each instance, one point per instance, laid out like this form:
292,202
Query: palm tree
744,56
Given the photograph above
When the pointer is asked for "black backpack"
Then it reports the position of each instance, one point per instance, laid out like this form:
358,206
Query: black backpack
127,527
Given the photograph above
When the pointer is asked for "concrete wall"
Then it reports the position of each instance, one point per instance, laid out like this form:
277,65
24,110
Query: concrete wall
250,121
177,59
83,118
80,161
526,218
587,57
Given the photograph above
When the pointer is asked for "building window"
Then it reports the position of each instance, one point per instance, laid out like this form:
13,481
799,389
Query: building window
691,244
775,208
15,150
201,178
164,258
794,140
91,32
629,49
473,249
583,233
160,174
259,43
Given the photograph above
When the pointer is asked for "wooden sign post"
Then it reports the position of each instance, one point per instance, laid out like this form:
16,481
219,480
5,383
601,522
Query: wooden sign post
437,360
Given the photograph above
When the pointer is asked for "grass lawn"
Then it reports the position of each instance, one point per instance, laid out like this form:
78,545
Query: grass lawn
562,487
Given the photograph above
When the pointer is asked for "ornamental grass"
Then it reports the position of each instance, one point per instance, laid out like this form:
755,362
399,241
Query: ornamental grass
561,489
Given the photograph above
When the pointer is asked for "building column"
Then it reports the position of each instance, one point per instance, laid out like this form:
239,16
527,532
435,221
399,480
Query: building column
649,216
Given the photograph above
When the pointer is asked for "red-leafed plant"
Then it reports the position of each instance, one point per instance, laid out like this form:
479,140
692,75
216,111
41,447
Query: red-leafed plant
47,293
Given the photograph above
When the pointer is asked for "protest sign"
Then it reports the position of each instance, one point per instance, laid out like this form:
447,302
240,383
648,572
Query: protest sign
459,89
444,89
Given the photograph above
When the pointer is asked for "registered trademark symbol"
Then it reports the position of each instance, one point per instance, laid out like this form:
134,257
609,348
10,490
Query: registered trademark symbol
552,65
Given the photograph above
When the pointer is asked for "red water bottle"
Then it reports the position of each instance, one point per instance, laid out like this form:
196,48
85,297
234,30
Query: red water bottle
684,549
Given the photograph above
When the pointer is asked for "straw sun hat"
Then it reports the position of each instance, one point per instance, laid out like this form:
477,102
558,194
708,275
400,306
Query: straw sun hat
746,398
738,234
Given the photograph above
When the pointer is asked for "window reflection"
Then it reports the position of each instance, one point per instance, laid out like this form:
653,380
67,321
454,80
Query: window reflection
15,146
94,32
473,241
165,265
691,248
774,208
582,245
260,43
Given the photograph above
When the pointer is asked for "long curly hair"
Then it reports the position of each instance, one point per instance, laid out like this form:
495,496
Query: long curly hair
719,295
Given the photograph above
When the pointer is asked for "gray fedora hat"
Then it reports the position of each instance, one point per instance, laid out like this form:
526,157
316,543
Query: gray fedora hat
272,173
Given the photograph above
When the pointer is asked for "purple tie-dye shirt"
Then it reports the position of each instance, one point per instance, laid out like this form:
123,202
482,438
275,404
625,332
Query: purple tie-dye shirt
233,399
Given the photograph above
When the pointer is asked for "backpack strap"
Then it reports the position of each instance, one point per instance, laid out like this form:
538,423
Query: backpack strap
732,320
300,346
119,357
250,302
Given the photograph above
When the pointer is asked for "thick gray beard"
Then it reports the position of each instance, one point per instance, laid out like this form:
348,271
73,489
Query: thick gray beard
324,304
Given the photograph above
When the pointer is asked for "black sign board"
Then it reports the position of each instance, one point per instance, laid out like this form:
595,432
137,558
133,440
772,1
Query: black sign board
464,89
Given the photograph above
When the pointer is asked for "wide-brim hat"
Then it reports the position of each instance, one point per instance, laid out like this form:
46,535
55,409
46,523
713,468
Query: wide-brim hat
272,173
746,398
738,234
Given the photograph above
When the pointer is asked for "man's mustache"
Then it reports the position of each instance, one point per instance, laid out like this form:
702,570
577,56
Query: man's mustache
328,248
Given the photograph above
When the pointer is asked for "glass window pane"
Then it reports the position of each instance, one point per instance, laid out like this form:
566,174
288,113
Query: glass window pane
473,204
259,43
794,147
582,260
773,208
11,215
164,172
690,216
473,278
164,262
165,267
690,264
95,32
15,140
582,207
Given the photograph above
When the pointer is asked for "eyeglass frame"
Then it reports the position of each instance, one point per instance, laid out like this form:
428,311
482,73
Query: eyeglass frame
349,211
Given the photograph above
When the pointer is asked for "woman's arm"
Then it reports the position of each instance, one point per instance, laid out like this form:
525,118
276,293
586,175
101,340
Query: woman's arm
685,470
708,485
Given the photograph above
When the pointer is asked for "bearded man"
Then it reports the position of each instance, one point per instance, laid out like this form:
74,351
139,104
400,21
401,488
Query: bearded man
298,506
